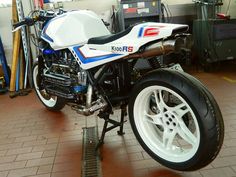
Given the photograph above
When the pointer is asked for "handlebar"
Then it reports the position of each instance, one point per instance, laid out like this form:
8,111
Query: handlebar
19,24
42,16
27,21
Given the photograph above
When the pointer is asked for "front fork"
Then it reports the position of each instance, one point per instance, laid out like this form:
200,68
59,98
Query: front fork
40,72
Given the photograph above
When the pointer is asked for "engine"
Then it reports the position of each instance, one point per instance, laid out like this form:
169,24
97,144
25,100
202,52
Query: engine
63,77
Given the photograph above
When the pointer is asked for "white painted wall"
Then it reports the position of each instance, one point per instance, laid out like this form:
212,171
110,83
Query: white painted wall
98,6
5,31
232,7
171,2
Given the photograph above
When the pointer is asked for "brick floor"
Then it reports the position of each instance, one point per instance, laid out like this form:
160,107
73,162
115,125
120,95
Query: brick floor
37,143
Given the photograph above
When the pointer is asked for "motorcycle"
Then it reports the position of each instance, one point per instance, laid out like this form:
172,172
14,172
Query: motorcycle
81,64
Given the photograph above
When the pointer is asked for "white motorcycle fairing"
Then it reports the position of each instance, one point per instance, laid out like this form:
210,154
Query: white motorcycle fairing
73,28
86,36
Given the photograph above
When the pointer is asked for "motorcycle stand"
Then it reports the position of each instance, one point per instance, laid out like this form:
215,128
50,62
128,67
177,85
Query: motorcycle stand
106,117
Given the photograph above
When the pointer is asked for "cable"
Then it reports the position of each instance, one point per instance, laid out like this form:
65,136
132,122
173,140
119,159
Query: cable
210,37
228,7
167,11
171,16
33,40
162,12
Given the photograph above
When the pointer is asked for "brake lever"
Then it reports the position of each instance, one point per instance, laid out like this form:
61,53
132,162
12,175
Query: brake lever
17,28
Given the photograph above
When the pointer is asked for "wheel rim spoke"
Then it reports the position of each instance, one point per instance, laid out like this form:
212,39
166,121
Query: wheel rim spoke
159,106
168,138
179,110
49,101
186,134
154,119
161,102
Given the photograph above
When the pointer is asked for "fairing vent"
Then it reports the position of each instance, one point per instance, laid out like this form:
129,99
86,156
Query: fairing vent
180,30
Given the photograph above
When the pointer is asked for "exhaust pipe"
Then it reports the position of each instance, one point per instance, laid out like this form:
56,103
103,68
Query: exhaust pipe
161,48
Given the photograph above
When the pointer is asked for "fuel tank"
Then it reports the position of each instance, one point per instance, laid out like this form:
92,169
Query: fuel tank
73,28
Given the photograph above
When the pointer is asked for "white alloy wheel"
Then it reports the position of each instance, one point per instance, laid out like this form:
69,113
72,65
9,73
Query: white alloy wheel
166,123
48,100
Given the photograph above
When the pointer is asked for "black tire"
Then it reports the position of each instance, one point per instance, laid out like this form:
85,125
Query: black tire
204,108
56,103
216,108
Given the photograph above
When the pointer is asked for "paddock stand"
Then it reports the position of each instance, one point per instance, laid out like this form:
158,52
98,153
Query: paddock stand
114,124
92,157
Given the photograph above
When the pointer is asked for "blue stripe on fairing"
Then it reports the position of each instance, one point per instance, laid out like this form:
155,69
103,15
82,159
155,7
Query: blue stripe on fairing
92,59
140,34
44,35
47,38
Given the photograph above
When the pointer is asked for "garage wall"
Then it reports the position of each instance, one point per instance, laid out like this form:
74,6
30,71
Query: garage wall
171,2
5,30
96,6
232,7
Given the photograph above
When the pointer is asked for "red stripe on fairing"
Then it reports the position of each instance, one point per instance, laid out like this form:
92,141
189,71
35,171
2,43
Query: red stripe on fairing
151,32
87,60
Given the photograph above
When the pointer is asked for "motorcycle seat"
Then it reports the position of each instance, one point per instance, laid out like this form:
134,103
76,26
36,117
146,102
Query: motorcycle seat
109,38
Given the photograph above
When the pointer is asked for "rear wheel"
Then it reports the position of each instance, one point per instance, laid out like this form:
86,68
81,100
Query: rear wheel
176,120
52,103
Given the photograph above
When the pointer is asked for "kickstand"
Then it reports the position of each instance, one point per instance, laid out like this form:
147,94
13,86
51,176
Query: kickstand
106,117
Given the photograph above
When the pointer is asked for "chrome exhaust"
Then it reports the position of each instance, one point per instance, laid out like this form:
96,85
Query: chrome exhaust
87,111
163,48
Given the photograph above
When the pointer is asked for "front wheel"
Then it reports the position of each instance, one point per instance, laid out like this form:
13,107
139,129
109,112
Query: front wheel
52,103
176,120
